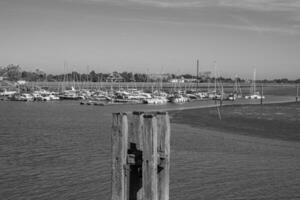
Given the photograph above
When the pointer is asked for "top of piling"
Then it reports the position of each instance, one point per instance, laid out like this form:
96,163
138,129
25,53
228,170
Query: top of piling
119,113
138,112
148,116
161,113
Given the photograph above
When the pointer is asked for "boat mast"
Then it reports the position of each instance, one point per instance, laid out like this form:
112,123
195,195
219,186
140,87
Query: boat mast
254,81
64,78
215,68
235,87
197,74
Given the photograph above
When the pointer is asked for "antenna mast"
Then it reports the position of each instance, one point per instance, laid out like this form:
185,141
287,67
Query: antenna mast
215,68
254,81
197,74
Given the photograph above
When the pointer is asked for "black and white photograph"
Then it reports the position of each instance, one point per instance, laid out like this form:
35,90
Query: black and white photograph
149,100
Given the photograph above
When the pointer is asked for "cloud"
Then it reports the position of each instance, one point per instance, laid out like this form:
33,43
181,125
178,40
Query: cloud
262,5
285,21
174,3
153,3
296,26
259,5
261,29
248,26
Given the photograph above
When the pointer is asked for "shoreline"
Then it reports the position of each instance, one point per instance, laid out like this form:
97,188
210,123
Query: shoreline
276,120
241,102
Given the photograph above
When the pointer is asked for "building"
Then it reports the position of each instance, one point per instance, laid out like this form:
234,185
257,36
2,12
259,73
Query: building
21,82
190,80
115,77
158,77
177,80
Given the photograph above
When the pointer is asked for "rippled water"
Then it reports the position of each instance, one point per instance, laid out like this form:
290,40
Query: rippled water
62,151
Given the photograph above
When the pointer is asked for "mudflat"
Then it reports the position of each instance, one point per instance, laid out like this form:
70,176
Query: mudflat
251,153
277,121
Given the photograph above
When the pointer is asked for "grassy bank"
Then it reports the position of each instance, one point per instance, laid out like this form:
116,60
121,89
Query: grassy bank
277,121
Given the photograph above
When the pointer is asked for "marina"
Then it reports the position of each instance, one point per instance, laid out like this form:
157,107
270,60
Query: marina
140,93
149,100
61,150
61,134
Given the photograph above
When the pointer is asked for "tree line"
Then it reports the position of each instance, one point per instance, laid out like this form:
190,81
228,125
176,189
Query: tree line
14,73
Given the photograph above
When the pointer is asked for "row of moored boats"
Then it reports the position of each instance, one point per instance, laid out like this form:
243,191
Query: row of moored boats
134,96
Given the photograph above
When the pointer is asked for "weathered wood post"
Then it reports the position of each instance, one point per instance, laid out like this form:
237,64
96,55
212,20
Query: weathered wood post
119,156
163,148
135,156
140,156
150,158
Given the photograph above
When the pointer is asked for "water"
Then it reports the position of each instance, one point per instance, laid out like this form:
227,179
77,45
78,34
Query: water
62,151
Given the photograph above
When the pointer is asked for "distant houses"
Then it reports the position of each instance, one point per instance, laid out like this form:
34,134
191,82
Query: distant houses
158,77
115,77
182,80
177,80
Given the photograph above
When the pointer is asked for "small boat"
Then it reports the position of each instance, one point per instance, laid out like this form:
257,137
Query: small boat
178,99
22,97
155,100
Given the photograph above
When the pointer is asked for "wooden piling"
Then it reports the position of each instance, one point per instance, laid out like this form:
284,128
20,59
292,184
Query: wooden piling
163,148
135,141
135,135
119,156
150,158
140,156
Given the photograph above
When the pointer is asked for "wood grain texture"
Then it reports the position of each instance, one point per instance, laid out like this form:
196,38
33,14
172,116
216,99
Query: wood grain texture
150,158
163,148
119,156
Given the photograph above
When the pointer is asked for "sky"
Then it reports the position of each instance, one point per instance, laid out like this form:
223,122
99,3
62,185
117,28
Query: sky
153,36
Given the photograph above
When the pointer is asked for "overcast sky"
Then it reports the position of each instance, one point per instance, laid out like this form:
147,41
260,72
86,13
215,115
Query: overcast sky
153,36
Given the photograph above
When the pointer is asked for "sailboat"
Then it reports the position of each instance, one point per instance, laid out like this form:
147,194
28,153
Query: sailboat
253,93
218,92
237,91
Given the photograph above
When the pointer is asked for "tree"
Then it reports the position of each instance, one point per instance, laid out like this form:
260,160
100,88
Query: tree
93,76
131,77
2,71
50,78
125,76
140,77
128,76
26,76
41,76
187,76
13,72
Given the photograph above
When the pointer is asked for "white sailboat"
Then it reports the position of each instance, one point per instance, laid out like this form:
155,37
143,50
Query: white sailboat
253,93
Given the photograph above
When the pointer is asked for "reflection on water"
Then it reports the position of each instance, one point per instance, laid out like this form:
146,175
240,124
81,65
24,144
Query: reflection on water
62,151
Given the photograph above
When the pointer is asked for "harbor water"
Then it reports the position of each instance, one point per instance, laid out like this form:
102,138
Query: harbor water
61,150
